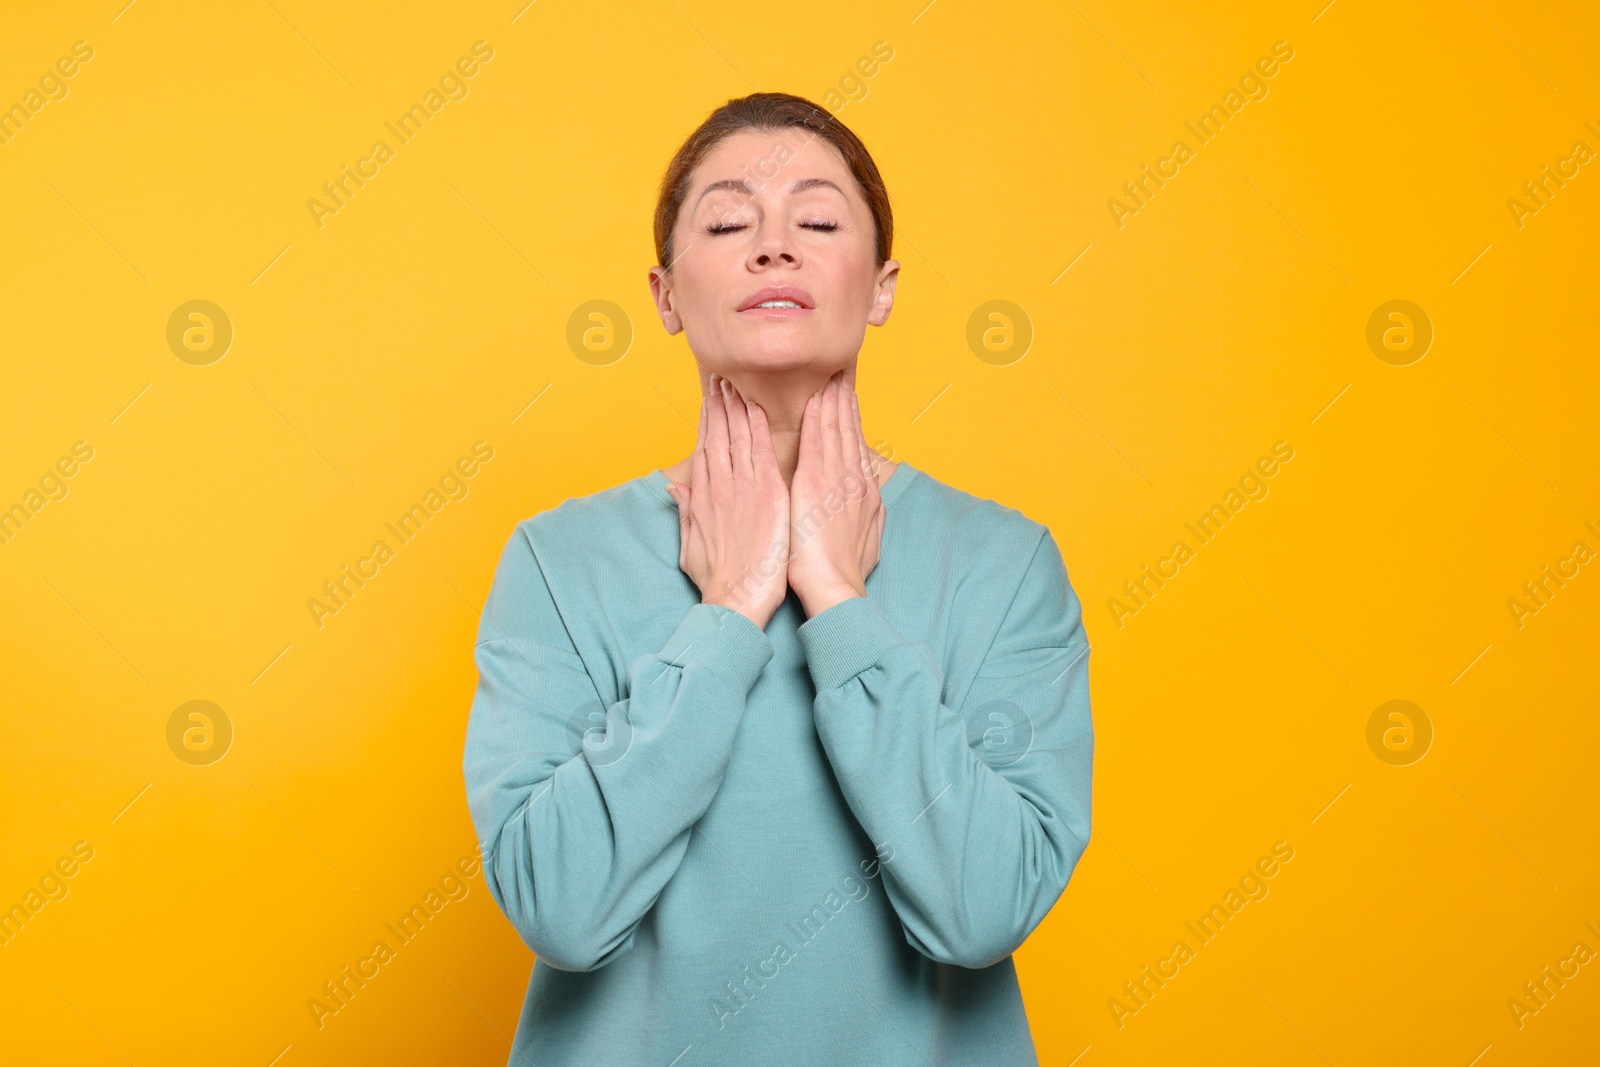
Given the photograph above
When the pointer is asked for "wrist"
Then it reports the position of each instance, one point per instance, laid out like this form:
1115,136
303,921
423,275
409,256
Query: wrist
815,602
756,614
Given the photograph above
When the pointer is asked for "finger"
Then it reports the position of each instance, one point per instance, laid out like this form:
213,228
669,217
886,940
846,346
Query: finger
685,520
849,445
763,456
850,439
698,473
683,525
864,451
738,431
875,546
810,433
717,431
830,430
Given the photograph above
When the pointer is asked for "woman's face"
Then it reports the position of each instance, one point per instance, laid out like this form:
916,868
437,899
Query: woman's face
774,215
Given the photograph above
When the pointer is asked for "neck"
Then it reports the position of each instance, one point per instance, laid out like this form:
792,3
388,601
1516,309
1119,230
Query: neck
782,395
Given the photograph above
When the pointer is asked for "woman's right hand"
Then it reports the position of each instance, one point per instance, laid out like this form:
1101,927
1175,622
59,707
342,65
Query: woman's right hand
733,518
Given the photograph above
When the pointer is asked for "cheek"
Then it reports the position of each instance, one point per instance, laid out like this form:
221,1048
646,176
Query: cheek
696,283
705,293
853,288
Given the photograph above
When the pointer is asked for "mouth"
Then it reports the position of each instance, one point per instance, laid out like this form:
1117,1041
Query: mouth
778,302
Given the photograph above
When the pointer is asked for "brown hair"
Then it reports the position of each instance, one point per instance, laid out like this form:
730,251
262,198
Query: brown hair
770,111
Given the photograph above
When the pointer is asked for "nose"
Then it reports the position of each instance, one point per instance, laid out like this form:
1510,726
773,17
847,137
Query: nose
774,245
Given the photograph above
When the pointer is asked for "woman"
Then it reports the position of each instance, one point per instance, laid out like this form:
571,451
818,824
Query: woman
777,754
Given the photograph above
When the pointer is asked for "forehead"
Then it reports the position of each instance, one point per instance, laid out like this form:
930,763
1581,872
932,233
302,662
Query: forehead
771,160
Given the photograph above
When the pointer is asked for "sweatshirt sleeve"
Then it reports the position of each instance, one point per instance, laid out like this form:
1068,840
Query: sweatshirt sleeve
584,811
979,812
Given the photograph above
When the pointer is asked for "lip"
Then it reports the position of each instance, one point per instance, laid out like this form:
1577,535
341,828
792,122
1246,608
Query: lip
778,292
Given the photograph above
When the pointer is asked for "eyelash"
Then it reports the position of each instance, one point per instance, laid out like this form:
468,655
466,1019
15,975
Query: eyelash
826,227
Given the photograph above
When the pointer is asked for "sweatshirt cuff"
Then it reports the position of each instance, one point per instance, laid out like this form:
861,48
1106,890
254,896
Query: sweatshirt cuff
723,641
845,640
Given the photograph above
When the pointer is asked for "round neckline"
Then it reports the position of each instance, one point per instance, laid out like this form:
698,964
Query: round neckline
898,479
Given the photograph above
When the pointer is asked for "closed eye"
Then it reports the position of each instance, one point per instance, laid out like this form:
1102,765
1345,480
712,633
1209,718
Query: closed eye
825,227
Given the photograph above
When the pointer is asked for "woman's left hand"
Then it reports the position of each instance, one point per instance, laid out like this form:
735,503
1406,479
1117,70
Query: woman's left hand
835,513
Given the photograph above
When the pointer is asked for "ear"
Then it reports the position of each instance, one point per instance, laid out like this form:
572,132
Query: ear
883,292
661,293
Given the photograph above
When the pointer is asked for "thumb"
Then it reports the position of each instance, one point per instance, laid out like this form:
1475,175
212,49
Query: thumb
680,497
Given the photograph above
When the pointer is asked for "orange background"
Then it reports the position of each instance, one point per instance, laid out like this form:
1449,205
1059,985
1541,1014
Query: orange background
1229,313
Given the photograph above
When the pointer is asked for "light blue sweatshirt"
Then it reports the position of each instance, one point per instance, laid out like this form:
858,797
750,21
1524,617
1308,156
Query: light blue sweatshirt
814,844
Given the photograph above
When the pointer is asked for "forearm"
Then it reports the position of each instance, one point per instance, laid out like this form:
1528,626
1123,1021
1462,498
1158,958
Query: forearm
978,821
584,833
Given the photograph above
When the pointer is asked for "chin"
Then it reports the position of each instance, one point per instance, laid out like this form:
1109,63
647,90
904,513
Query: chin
787,355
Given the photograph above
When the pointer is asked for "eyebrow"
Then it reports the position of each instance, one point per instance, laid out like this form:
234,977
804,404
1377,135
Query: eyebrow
739,185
